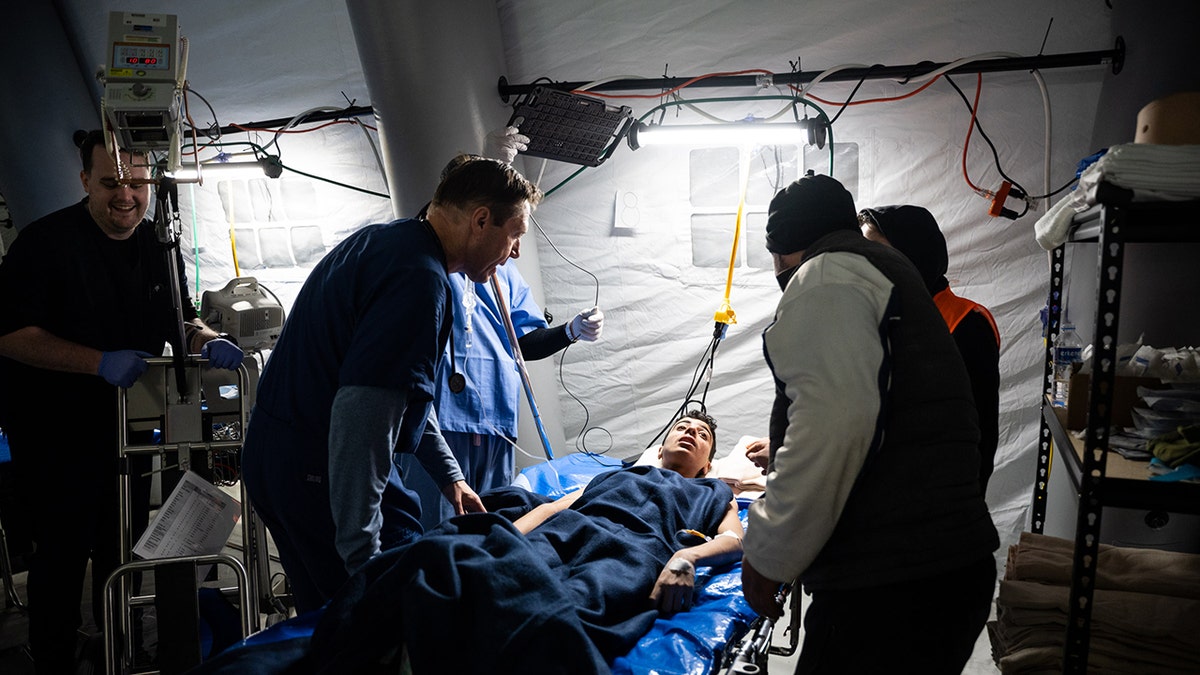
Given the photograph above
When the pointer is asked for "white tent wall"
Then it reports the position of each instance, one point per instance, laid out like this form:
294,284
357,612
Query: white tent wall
641,221
659,305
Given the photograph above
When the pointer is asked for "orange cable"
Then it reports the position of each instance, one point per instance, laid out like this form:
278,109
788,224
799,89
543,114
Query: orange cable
870,100
970,131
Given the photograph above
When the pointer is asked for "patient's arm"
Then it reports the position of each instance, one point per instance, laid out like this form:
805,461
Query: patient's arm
539,514
673,589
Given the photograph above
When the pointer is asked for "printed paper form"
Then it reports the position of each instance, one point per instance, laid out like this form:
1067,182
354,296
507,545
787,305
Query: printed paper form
196,520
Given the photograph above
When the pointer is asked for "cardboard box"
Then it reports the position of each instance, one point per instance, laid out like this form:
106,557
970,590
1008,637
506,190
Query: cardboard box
1125,399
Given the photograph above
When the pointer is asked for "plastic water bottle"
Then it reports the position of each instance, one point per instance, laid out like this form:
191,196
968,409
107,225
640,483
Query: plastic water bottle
1068,350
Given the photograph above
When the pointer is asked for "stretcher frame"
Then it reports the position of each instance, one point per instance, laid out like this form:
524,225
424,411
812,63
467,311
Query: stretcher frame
182,420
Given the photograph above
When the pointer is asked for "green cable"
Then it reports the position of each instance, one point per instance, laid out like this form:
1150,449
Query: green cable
195,245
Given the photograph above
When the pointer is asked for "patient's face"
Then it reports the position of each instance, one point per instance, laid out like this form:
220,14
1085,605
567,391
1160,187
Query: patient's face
687,448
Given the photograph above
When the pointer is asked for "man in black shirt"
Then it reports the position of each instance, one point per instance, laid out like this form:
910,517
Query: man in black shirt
84,298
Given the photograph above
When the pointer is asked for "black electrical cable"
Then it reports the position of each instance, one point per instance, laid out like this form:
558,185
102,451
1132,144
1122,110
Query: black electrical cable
334,182
1064,187
580,440
702,366
776,183
849,98
995,153
570,262
215,126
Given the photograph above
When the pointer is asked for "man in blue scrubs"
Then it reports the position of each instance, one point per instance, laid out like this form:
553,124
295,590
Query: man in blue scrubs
479,386
352,378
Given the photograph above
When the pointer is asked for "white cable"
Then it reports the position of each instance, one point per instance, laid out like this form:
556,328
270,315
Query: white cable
374,150
1046,159
181,80
293,122
713,118
175,150
596,83
517,447
1037,76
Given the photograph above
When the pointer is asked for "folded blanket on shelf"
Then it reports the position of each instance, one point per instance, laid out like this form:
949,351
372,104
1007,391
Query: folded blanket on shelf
1048,560
1151,629
1145,610
1048,661
1152,172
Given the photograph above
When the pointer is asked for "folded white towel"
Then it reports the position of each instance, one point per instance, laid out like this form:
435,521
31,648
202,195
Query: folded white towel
1171,172
1152,172
1051,229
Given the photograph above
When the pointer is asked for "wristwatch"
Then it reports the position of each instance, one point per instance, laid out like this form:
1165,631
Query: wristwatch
227,336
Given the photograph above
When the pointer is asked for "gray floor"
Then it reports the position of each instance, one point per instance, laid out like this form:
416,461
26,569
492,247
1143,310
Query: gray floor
14,625
14,658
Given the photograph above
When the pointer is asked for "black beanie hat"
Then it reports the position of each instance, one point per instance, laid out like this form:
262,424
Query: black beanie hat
807,210
913,231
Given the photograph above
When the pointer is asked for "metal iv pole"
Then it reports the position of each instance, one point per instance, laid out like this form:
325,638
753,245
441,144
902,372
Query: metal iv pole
516,347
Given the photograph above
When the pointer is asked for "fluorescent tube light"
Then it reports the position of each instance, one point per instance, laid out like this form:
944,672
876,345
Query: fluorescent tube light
735,133
267,166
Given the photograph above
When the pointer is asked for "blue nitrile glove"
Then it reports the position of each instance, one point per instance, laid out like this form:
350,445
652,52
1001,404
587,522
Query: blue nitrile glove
123,368
222,353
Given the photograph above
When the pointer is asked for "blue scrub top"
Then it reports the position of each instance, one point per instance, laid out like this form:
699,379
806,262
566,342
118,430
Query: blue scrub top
489,403
372,313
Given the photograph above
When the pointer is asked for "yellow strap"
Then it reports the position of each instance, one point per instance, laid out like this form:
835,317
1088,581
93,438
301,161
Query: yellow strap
725,313
233,239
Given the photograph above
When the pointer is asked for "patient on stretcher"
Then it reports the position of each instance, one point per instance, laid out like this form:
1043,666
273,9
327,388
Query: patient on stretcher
537,585
567,587
688,451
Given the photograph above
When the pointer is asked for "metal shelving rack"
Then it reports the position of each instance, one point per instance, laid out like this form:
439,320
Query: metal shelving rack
1111,224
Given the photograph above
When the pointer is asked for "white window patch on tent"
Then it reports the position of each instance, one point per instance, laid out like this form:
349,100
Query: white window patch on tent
771,168
275,222
247,248
715,177
308,246
845,164
711,238
276,247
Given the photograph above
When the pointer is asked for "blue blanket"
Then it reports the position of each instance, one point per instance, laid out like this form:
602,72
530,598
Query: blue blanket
474,595
569,598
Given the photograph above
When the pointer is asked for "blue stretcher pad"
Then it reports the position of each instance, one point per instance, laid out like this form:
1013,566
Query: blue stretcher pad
572,596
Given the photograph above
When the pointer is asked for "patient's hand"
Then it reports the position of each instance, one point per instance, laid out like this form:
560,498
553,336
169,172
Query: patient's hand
759,452
673,590
463,498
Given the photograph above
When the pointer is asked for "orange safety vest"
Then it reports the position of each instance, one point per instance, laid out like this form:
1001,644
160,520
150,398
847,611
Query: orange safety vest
954,309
